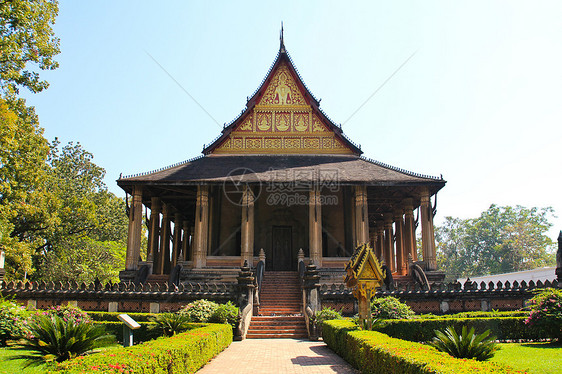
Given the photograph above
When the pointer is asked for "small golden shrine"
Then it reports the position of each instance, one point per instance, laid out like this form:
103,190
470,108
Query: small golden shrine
364,275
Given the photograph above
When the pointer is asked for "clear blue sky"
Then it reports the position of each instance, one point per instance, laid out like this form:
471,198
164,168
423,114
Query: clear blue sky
479,102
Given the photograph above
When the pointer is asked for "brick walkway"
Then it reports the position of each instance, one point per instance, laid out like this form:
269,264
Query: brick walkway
286,356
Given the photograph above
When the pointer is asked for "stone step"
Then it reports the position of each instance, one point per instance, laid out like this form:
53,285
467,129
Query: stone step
278,319
280,308
277,336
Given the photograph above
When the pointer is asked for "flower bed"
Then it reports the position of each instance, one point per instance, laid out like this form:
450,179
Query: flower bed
182,353
375,352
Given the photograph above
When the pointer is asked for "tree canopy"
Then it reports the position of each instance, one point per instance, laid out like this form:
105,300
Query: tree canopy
58,221
503,239
27,39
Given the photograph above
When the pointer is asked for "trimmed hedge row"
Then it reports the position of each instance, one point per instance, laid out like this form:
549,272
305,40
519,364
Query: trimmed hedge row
373,352
421,330
182,353
112,316
476,314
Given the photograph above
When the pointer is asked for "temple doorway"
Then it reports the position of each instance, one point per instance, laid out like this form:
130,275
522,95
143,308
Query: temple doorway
281,248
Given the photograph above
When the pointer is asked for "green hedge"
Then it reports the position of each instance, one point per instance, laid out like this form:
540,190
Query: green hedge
375,352
112,316
477,314
421,330
182,353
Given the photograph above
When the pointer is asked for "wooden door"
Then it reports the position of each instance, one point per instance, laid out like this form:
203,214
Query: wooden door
282,249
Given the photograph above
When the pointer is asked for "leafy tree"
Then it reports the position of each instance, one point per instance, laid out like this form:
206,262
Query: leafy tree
26,207
89,239
27,38
502,239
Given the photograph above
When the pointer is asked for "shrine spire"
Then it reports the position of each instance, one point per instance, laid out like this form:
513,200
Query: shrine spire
281,41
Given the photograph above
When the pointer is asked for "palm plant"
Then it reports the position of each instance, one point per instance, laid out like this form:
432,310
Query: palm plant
466,345
169,324
53,339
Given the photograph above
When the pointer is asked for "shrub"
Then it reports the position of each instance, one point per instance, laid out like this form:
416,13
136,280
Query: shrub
327,314
390,308
55,339
68,313
199,310
169,324
13,321
546,312
225,313
182,353
467,344
374,352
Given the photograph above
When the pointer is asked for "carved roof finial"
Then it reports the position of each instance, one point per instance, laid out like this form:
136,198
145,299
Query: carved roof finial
281,41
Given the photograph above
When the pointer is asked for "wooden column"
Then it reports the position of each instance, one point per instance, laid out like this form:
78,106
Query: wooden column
154,234
361,216
164,255
200,236
315,227
185,240
176,249
410,231
379,232
247,226
389,242
135,228
401,256
428,238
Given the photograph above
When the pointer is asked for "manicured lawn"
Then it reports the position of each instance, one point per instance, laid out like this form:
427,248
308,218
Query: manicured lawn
16,366
535,358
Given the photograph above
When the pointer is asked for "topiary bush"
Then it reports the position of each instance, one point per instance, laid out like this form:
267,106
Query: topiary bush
546,312
225,313
390,308
467,344
13,321
199,310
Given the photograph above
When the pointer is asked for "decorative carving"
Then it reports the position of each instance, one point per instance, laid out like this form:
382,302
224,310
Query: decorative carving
282,90
264,121
282,121
247,124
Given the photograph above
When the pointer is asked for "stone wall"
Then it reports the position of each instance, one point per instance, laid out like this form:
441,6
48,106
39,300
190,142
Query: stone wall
128,297
443,298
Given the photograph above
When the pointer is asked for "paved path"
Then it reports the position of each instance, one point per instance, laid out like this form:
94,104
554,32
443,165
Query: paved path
286,356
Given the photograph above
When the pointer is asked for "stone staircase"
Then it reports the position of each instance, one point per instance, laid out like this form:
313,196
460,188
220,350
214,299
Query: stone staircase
280,313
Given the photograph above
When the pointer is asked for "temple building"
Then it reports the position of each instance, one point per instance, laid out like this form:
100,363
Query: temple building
280,181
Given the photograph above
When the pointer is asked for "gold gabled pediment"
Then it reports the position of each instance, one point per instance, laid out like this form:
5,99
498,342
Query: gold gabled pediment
282,122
